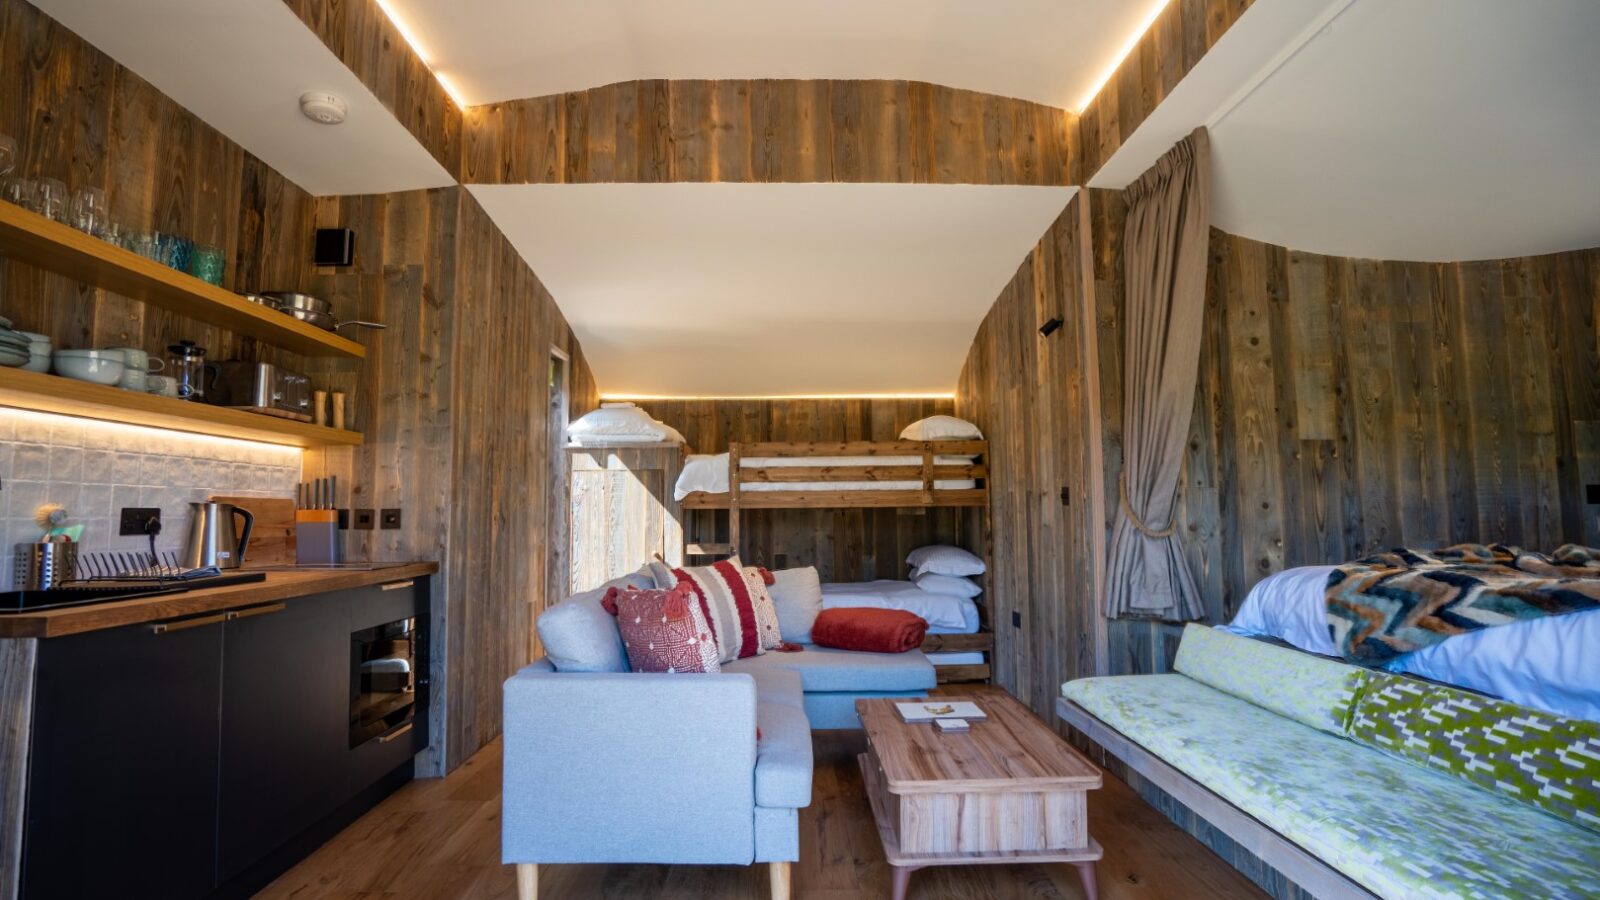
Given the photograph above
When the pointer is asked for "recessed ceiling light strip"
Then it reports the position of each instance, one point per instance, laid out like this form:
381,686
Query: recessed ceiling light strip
416,47
1149,19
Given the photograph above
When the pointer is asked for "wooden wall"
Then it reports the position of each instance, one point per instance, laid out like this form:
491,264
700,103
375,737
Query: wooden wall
1035,397
452,397
767,130
80,117
1349,405
1181,34
845,544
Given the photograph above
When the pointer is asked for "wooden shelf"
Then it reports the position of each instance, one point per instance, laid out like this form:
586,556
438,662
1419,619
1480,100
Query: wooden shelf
31,238
67,396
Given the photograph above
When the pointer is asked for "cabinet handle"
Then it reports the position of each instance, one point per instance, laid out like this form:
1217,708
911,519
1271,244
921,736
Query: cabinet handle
403,729
186,624
396,585
257,611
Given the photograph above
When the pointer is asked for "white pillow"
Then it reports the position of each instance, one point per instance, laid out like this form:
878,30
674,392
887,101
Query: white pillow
940,559
947,584
620,423
941,428
797,593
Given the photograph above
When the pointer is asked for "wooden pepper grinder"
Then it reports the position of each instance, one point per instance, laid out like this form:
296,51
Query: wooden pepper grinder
338,410
319,407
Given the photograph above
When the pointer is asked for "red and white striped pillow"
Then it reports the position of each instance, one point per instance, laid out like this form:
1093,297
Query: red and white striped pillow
736,604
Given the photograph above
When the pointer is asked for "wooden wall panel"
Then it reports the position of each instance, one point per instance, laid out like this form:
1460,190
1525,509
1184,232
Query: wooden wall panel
1035,397
361,35
844,544
1182,33
80,117
767,130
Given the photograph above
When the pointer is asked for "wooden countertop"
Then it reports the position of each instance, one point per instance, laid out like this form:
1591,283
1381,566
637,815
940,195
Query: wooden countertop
280,585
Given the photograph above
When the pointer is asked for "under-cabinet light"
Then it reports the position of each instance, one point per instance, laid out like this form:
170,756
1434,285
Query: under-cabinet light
1149,19
911,396
30,426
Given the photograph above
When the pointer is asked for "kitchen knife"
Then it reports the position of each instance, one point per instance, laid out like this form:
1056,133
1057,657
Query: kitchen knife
333,492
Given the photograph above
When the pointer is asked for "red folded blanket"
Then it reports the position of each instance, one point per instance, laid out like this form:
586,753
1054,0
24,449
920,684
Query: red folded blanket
869,629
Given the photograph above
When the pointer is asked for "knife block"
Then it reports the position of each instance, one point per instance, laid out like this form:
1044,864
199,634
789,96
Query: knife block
317,537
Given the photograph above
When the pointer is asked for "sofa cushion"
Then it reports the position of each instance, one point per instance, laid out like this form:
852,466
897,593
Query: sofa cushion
579,636
783,756
797,597
1396,828
735,601
826,669
781,686
1538,758
1308,689
662,631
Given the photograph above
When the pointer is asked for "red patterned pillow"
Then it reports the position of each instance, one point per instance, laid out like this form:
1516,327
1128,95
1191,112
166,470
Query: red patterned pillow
663,631
736,604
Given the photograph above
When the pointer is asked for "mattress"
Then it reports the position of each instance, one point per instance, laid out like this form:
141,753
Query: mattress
944,613
709,473
956,658
1540,663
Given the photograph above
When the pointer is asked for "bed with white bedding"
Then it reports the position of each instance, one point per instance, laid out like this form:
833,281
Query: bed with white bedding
708,473
1547,663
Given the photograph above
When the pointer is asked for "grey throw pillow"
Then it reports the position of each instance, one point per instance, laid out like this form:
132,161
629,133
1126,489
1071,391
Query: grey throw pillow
580,636
797,595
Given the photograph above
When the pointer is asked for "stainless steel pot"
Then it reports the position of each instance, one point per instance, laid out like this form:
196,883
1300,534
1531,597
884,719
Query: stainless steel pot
263,300
327,322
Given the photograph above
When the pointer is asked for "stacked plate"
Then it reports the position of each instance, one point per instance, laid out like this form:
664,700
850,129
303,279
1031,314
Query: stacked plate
14,345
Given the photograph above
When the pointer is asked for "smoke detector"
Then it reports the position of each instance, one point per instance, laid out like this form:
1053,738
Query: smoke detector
323,107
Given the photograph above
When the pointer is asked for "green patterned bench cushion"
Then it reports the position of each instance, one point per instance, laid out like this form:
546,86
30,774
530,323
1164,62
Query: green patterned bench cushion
1535,757
1391,826
1308,689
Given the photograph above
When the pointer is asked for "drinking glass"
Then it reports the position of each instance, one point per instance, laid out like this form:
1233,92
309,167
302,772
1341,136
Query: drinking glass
8,154
52,199
89,211
174,251
207,263
144,244
24,192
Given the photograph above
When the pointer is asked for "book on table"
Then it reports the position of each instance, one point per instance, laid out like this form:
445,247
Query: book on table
928,710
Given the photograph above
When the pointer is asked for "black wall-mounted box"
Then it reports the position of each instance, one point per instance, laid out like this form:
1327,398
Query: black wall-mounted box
334,247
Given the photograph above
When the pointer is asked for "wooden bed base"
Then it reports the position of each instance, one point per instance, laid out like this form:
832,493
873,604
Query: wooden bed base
982,641
1305,870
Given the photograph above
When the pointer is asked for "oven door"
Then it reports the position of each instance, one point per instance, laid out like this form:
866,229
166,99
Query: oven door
383,679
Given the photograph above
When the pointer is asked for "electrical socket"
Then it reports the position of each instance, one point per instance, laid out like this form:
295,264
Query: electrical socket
135,519
1016,619
365,519
389,519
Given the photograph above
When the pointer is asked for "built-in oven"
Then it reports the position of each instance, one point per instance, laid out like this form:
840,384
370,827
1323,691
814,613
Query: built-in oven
383,680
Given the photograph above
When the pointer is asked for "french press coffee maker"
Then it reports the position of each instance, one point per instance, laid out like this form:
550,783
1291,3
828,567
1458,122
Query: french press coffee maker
186,364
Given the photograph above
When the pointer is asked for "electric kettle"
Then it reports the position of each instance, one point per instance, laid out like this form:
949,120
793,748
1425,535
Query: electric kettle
212,539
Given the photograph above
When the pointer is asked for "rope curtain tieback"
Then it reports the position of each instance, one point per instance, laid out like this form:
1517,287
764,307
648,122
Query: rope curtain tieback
1133,517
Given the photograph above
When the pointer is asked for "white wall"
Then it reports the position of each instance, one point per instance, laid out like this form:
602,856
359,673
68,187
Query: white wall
94,469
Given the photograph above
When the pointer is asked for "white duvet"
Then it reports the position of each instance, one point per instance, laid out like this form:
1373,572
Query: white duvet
1551,663
944,613
709,473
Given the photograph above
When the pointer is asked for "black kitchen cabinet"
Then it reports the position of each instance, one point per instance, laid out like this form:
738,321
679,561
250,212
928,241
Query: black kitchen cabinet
122,791
284,731
200,757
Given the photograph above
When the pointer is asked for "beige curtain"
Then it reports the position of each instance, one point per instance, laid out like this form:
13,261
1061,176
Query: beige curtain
1164,271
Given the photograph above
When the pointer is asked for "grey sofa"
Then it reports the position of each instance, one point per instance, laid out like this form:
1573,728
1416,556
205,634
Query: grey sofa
607,765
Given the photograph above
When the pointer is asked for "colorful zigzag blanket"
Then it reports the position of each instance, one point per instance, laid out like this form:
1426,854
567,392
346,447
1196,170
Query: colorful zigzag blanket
1394,602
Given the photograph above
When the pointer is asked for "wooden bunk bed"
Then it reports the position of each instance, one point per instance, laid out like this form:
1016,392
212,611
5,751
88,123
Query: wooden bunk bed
914,474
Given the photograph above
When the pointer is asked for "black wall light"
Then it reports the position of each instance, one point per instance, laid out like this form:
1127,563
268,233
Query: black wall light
1050,327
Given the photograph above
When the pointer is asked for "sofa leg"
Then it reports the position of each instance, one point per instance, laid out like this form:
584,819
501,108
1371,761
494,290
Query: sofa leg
527,881
780,880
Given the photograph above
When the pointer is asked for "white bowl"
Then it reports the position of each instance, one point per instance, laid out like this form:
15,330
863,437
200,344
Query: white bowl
35,338
91,354
38,362
106,368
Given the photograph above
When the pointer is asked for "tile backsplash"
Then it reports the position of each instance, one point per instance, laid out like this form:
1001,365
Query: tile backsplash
94,469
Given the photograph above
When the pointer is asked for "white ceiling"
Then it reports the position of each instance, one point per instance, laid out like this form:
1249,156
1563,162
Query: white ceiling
1048,51
241,66
773,289
1423,130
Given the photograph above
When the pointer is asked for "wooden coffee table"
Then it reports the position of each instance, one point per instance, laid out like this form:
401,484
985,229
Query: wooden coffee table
1010,790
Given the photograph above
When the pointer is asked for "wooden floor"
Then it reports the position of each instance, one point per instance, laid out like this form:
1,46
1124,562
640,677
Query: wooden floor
439,839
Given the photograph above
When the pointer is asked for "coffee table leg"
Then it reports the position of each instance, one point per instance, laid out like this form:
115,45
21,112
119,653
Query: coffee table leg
1086,873
902,880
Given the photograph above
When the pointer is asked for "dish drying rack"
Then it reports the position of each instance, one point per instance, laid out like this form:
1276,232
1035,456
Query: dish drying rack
138,567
